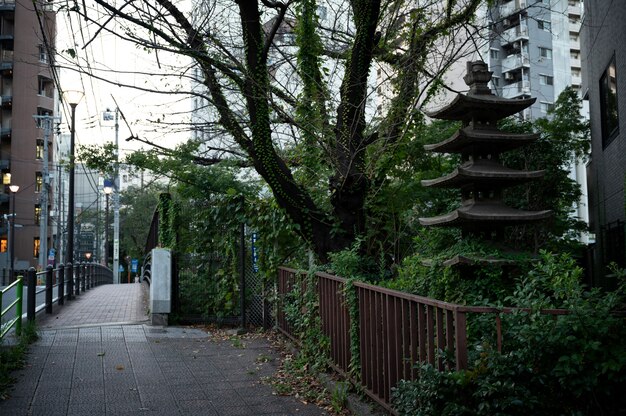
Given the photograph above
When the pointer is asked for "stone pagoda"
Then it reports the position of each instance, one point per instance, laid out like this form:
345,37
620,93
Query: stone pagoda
481,177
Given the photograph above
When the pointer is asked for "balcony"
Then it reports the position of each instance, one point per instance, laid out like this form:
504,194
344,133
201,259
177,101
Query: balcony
512,7
514,34
7,101
6,59
575,26
513,62
577,80
574,62
516,89
7,5
574,10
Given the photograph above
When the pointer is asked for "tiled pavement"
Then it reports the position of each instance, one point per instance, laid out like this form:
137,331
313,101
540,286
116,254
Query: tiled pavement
102,305
138,369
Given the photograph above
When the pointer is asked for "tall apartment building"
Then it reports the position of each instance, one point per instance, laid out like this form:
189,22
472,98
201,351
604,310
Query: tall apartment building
27,88
533,50
604,62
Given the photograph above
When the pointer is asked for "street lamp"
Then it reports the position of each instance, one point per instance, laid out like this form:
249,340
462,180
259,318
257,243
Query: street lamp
88,256
107,191
13,189
72,97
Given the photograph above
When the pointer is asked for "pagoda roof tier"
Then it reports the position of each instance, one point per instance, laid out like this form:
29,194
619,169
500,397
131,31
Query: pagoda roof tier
481,106
485,173
482,140
485,213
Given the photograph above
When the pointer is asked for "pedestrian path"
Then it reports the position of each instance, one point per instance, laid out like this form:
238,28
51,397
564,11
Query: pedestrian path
130,369
104,304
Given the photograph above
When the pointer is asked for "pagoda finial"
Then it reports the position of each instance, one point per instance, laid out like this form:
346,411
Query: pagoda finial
477,77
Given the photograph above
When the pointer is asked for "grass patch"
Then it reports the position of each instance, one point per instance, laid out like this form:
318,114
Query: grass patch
13,357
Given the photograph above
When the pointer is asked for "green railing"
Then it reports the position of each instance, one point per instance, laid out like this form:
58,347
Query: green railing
17,321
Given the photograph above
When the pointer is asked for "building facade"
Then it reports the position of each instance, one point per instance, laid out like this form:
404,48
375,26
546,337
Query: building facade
604,62
27,31
533,49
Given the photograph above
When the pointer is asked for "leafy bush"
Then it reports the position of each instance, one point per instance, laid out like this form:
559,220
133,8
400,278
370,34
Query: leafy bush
572,364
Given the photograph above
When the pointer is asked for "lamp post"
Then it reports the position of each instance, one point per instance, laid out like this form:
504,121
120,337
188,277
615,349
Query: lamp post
88,256
107,191
13,189
73,98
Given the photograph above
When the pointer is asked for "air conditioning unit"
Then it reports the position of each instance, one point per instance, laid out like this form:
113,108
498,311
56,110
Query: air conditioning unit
508,76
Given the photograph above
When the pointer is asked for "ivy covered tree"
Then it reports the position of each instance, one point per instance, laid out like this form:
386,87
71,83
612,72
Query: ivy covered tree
290,90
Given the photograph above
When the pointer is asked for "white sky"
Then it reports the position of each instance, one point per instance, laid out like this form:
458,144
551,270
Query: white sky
107,51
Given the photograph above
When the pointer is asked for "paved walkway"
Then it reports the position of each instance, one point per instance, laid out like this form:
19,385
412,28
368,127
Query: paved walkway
130,369
104,304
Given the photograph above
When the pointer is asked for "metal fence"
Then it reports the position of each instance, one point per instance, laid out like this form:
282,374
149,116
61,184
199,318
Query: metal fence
54,285
396,330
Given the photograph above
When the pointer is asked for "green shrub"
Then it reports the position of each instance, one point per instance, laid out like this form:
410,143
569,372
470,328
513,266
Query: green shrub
573,364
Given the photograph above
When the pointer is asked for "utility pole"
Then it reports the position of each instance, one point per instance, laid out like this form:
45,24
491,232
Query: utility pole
116,202
45,122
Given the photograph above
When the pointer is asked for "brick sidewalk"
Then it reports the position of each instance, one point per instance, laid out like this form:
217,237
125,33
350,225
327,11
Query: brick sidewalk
138,369
101,305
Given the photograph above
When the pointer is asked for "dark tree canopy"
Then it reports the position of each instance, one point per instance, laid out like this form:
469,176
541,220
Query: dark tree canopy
289,90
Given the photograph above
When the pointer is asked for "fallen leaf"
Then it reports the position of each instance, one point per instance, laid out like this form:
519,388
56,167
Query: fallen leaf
119,367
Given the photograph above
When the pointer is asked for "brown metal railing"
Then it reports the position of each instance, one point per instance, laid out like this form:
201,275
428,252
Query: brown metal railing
396,330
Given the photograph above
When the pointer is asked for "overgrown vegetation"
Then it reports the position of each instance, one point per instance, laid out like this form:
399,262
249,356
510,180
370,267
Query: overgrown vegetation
573,364
12,357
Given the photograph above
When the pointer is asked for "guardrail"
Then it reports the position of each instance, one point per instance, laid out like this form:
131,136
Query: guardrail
62,283
17,321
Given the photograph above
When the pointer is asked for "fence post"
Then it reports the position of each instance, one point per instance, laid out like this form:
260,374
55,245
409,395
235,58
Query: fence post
91,269
69,275
32,292
49,289
18,306
460,335
77,279
61,283
83,276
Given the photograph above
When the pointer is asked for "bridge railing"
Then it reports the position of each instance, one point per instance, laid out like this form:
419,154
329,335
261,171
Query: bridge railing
45,288
17,303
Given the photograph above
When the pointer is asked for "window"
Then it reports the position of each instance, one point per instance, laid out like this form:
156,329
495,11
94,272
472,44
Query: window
495,81
609,117
37,214
3,245
43,54
39,149
494,54
546,80
546,106
38,181
543,25
46,87
6,178
545,53
36,246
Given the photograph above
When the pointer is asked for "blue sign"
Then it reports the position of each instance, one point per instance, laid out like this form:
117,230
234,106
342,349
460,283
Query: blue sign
121,269
255,254
134,263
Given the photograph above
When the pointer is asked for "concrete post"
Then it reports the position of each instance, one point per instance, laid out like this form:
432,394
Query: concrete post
161,286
